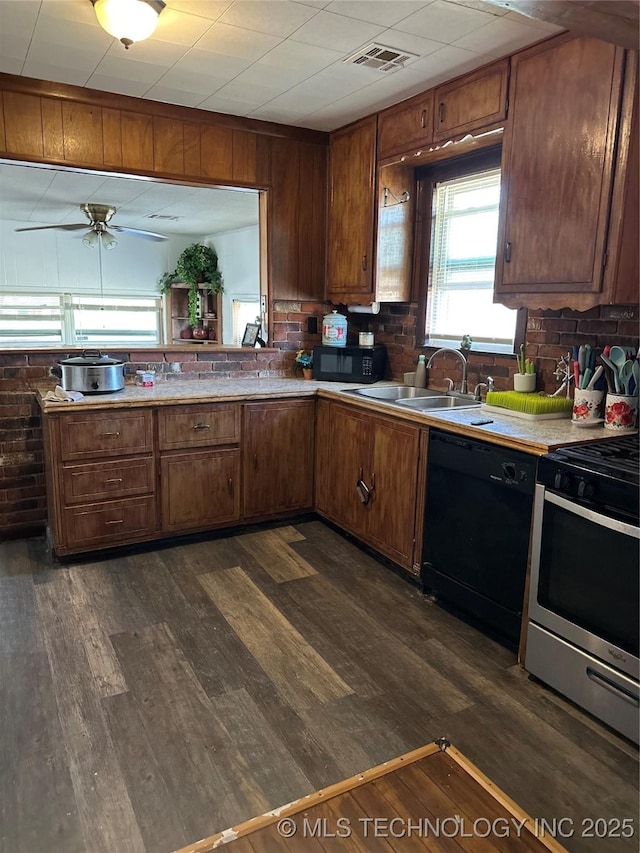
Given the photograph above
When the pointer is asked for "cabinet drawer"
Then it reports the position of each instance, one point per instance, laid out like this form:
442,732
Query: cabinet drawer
110,522
198,426
91,435
100,480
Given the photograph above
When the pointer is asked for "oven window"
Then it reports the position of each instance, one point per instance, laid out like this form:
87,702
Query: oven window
589,575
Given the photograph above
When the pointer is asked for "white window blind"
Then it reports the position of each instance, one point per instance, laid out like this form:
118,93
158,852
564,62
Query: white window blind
32,320
463,256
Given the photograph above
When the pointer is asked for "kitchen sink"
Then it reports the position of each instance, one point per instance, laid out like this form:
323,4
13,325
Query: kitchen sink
424,404
392,393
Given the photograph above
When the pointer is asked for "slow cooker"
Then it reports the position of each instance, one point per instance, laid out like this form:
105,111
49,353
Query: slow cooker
91,373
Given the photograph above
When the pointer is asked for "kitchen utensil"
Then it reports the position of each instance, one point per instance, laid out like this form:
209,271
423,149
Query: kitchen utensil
626,376
91,373
611,372
582,354
618,356
597,374
635,372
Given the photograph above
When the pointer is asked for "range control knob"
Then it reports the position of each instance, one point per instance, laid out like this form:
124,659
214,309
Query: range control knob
561,481
95,384
585,489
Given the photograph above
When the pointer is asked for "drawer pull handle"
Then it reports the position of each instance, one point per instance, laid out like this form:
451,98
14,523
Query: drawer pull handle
119,521
109,434
364,262
202,426
113,480
441,112
255,461
423,116
230,485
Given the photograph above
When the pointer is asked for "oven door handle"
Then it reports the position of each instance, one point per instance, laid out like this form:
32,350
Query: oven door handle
612,687
590,515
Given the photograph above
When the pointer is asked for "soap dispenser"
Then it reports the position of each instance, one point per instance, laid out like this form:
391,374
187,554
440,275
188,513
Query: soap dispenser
421,373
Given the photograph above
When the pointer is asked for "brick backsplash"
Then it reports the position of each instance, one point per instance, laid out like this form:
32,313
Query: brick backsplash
550,334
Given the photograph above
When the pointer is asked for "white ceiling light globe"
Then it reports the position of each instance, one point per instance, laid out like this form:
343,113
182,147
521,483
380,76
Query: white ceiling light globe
127,20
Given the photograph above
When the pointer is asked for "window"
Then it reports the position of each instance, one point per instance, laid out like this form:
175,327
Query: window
464,225
32,320
243,311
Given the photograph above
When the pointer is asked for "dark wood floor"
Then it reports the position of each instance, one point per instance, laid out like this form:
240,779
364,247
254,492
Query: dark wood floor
149,700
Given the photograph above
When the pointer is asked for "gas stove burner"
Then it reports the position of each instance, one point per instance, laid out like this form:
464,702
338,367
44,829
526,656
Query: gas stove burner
618,455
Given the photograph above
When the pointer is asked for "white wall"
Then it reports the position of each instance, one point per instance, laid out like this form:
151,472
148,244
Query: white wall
239,262
55,261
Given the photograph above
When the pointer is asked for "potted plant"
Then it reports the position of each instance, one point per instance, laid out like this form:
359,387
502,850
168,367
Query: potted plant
304,362
197,265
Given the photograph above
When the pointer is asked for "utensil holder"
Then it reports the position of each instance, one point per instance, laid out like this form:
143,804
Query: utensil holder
525,382
587,406
621,412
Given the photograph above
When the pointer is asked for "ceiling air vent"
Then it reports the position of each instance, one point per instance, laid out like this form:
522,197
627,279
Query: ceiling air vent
380,57
164,216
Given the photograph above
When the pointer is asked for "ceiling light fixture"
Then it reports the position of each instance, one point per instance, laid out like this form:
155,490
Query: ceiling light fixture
128,20
99,237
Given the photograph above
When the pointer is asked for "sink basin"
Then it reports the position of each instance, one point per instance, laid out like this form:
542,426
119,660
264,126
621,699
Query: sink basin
392,393
423,404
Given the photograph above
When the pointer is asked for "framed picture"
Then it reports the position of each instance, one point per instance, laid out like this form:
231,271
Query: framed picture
251,332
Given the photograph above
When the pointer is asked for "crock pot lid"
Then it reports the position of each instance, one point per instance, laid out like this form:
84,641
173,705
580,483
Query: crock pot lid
93,360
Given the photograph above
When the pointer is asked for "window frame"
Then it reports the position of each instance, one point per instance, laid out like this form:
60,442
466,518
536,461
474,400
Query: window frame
426,179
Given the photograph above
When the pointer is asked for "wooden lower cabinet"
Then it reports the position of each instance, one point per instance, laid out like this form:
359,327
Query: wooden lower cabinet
199,489
108,523
359,452
277,453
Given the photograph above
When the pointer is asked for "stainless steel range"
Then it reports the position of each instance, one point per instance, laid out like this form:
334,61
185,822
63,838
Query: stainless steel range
582,637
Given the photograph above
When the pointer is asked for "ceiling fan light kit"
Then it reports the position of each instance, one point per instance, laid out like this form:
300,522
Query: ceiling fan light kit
128,20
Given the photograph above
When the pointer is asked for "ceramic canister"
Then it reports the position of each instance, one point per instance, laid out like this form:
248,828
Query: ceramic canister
621,412
334,330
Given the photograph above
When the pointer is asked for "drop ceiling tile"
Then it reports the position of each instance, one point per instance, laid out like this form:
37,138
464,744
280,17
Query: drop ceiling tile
444,22
70,10
118,85
376,11
130,69
180,27
500,37
211,64
189,81
211,9
254,95
43,69
336,32
65,32
219,104
278,114
261,74
173,96
318,4
161,53
18,17
14,46
481,6
277,17
533,22
10,64
447,63
237,41
295,56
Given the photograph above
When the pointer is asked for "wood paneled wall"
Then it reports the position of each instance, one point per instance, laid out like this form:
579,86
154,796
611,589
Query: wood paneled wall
71,126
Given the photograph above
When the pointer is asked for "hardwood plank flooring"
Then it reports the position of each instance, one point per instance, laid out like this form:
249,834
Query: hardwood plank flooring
154,698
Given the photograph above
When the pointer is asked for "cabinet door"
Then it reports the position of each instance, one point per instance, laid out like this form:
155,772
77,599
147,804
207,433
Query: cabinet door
351,212
277,450
395,465
557,171
347,462
471,102
402,129
200,489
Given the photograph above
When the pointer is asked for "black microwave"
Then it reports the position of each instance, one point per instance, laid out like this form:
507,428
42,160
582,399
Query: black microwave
349,364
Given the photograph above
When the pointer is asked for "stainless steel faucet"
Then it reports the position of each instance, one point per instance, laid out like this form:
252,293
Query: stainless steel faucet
463,384
488,385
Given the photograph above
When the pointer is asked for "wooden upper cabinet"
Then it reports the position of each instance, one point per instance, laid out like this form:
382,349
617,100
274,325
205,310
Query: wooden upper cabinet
82,133
558,167
352,160
137,141
471,102
405,127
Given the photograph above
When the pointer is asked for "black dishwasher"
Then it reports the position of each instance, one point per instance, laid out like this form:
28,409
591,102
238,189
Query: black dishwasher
476,529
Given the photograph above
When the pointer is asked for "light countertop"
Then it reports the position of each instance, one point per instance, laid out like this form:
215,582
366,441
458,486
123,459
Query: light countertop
536,437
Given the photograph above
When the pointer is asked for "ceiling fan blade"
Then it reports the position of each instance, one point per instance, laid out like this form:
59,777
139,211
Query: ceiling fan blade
75,227
137,232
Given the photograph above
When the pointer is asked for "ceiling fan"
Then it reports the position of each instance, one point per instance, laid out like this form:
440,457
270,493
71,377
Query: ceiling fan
99,215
